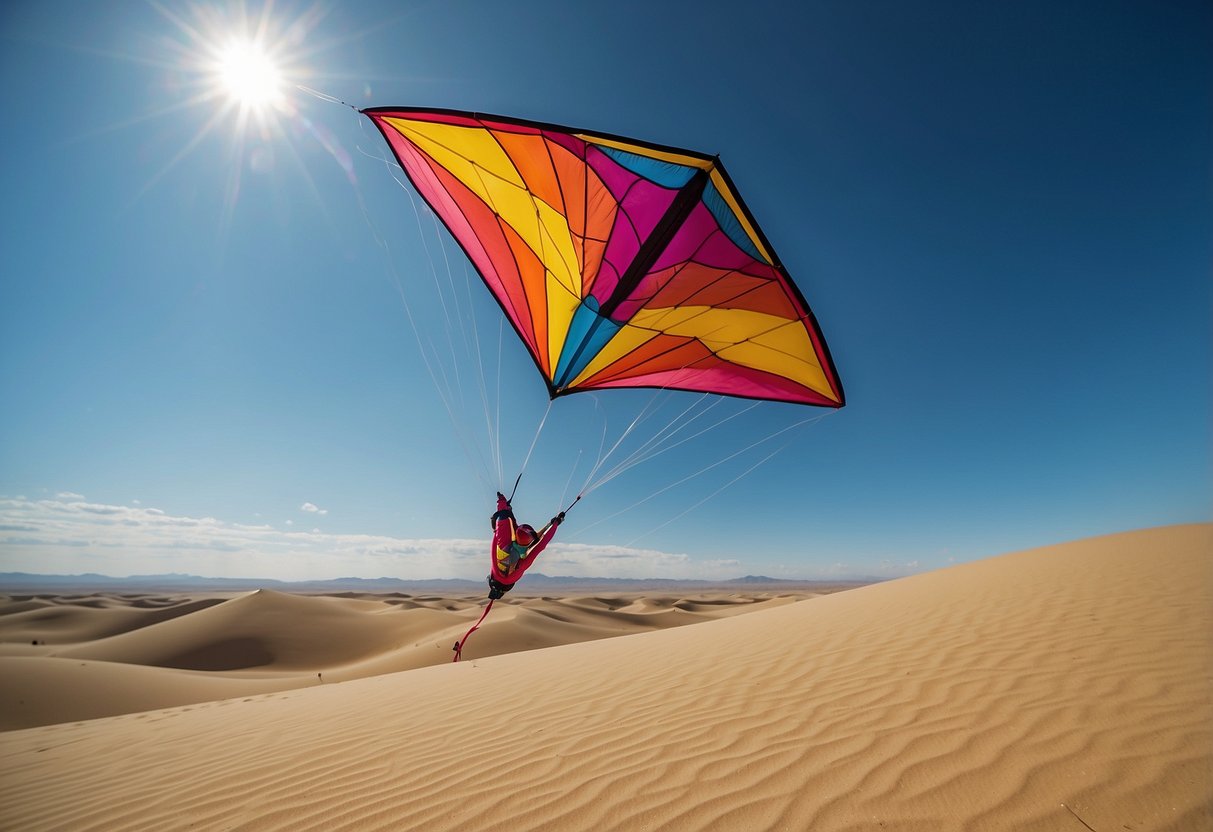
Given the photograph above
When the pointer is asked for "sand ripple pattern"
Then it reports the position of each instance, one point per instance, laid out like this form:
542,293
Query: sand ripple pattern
1038,691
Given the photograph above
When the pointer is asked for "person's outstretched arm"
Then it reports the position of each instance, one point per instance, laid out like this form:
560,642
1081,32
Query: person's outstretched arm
545,537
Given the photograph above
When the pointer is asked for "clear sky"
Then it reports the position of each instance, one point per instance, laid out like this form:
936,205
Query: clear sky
1000,214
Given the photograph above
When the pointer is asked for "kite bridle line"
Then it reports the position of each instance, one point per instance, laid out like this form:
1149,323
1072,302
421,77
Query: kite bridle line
514,490
812,420
323,96
531,450
437,370
398,285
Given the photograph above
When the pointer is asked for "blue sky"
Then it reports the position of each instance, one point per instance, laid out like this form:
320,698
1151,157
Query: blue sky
1000,214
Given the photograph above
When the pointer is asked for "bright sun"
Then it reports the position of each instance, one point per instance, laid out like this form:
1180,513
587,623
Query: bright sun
249,76
237,66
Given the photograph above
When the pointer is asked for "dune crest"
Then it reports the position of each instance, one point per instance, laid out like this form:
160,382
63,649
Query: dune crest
1048,689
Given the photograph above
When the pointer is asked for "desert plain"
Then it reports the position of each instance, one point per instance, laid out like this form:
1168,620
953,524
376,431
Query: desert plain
1063,688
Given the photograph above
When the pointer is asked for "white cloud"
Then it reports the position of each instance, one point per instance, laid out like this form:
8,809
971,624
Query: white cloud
312,508
62,537
69,495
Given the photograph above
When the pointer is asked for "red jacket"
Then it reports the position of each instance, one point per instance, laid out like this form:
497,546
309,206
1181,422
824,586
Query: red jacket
506,547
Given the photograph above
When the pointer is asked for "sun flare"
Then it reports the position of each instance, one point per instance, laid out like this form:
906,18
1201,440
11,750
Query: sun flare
249,76
236,68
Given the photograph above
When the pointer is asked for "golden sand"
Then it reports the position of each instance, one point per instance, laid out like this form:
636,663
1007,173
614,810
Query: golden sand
1054,689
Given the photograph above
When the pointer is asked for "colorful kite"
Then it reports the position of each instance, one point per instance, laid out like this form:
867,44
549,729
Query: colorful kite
620,263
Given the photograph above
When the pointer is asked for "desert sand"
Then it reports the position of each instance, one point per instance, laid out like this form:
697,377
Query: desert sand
138,652
1062,688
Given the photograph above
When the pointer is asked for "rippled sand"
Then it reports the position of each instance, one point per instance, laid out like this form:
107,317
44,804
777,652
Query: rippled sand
1045,690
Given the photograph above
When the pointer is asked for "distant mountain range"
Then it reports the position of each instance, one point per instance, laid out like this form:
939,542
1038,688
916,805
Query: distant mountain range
92,582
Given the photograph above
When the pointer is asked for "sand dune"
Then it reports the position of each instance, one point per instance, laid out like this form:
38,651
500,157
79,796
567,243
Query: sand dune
1057,689
135,652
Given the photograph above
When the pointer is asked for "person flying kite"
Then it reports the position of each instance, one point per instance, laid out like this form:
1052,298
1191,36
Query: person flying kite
515,546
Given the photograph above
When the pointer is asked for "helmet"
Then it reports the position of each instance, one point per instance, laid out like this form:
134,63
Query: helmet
526,534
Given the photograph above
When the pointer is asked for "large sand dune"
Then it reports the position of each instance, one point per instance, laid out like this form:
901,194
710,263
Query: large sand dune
1057,689
138,652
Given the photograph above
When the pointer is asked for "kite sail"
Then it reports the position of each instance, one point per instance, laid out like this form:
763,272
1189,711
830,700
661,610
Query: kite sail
619,263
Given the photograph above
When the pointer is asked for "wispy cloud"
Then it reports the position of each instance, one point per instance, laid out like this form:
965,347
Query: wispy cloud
66,536
312,508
